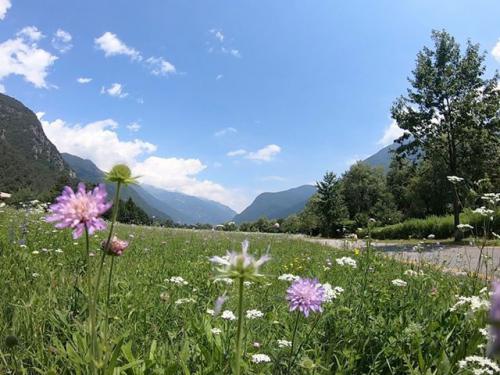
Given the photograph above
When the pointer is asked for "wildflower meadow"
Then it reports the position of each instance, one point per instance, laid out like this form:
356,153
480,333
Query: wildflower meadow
81,295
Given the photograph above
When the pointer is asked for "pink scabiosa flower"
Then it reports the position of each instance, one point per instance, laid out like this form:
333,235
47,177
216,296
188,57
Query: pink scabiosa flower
494,320
80,209
115,247
306,295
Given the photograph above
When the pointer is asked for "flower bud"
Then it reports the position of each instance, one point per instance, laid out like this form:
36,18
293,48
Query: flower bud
121,173
116,247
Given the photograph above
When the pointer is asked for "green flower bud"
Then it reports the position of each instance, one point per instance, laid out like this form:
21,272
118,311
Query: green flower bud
121,173
11,341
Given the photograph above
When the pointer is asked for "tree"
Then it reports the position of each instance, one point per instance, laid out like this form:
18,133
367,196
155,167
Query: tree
329,204
450,112
366,195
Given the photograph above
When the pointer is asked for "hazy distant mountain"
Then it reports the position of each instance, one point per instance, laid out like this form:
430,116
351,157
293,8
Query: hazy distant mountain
87,171
192,210
28,159
382,158
156,202
277,205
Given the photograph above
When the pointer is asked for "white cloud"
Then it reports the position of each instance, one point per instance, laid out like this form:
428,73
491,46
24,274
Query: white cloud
31,33
219,76
391,133
134,126
23,57
235,53
218,35
2,89
496,51
84,80
115,90
61,41
99,142
225,131
113,46
239,152
266,153
160,67
4,7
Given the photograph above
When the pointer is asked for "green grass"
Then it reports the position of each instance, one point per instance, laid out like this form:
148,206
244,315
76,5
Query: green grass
374,327
442,227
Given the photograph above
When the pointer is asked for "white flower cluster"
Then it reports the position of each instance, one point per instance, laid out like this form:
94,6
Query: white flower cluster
182,301
414,273
454,179
483,211
331,293
284,344
228,315
216,331
492,198
225,280
346,261
288,277
475,303
486,365
254,314
177,280
260,358
399,282
464,227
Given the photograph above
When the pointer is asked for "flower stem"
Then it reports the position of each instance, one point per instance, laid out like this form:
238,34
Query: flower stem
91,306
108,294
290,363
240,325
116,206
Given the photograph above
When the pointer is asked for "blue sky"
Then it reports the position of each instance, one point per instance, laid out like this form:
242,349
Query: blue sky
224,99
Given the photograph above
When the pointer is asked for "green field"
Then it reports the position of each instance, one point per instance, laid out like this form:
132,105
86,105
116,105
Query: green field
373,327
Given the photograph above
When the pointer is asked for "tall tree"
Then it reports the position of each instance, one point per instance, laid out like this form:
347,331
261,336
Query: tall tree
450,110
329,203
366,195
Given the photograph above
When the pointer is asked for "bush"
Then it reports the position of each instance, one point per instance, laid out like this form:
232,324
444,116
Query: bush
440,226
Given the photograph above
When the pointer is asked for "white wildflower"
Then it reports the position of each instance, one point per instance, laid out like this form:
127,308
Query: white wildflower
254,314
216,331
454,179
329,293
260,358
284,344
228,315
288,277
475,303
182,301
210,312
177,280
399,282
346,261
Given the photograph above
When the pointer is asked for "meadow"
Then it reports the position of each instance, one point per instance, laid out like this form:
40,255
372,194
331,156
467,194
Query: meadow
386,317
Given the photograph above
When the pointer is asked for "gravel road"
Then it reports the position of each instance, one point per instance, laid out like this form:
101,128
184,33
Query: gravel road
456,258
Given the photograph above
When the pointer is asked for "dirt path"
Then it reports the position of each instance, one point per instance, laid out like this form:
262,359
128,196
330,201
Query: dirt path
454,257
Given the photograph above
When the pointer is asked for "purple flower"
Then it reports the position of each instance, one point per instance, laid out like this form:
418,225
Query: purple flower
494,345
80,209
306,295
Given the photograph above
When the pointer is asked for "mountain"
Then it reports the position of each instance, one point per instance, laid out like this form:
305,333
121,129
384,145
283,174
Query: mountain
191,209
28,159
157,202
382,158
87,171
277,205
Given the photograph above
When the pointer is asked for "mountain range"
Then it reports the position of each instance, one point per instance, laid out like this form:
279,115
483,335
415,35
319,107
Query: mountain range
162,204
30,161
277,205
